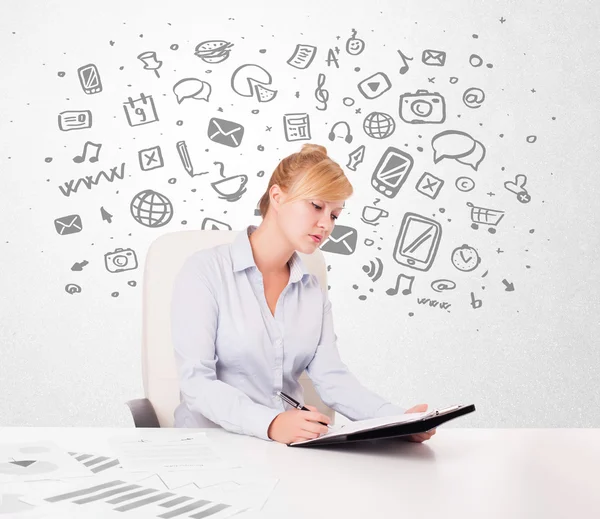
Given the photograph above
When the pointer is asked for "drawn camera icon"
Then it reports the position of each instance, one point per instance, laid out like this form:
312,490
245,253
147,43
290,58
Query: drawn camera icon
422,107
120,260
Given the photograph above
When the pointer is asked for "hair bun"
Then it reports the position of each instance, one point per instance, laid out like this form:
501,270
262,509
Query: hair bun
311,148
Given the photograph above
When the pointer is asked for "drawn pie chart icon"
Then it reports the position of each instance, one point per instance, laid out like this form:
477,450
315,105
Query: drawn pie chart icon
26,467
250,80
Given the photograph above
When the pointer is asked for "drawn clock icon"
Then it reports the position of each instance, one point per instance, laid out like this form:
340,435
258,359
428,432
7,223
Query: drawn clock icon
465,258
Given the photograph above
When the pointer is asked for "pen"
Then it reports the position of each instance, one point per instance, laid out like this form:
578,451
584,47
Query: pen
295,404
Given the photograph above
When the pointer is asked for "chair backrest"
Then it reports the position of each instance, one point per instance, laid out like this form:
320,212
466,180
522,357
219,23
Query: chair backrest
165,258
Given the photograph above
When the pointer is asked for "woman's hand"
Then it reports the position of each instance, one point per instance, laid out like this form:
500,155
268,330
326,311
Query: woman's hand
295,425
420,437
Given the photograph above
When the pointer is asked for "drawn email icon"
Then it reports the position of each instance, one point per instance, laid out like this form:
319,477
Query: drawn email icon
68,224
225,132
342,240
435,58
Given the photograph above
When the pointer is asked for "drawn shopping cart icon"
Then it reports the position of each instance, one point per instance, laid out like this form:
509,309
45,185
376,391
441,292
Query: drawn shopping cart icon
481,215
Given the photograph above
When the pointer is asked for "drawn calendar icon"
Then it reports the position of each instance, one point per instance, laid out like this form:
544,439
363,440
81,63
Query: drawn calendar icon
140,111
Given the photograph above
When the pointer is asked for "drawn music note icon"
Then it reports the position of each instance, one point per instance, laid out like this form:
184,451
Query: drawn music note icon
404,68
405,291
78,159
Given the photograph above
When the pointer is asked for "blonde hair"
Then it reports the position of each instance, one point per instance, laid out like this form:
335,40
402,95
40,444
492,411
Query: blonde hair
309,173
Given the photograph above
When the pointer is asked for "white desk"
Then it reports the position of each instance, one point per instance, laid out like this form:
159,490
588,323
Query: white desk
459,473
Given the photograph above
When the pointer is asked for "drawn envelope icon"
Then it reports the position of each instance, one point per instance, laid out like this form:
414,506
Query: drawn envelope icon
225,132
342,240
68,224
434,57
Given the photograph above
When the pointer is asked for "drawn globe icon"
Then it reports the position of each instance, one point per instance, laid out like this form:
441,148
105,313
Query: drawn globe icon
379,125
151,208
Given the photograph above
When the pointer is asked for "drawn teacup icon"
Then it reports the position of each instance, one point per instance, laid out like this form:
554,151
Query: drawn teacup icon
230,188
371,214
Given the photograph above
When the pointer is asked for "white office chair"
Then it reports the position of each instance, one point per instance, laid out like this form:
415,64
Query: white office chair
165,257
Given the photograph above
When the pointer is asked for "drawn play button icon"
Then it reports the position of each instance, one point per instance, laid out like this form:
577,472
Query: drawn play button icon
374,85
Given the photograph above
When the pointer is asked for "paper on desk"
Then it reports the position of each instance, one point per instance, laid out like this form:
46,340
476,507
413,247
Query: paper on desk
193,451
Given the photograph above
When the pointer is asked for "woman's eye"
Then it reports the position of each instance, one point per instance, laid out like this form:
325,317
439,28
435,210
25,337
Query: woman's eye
334,217
318,207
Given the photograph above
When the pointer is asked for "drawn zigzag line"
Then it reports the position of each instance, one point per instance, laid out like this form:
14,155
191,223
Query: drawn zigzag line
89,181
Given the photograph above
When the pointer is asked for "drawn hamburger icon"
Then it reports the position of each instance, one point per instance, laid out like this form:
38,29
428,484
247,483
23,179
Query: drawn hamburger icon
249,80
213,51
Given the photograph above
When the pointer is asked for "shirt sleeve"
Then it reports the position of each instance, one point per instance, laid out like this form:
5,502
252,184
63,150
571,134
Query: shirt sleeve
194,322
336,385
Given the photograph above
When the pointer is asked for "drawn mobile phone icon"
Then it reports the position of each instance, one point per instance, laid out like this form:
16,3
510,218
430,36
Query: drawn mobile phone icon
391,172
89,79
418,241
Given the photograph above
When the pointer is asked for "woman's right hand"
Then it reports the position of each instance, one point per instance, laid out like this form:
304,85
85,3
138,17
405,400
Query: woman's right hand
295,425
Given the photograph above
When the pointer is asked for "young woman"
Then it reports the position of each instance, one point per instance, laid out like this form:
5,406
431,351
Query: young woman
248,319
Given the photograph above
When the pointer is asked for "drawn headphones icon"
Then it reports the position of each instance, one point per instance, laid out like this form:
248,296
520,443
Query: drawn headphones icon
348,138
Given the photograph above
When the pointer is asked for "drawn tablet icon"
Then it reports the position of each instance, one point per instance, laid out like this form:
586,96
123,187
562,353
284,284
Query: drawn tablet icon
418,242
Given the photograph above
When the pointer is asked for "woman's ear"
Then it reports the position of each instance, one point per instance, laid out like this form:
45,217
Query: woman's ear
276,196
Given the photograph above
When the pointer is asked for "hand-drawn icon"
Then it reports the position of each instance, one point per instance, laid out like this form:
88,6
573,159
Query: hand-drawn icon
402,280
89,181
510,287
342,240
192,88
422,107
475,303
354,45
229,188
225,132
78,266
518,188
140,111
321,94
213,51
370,214
374,271
150,61
418,241
465,258
480,215
404,68
210,224
332,58
303,56
150,158
475,60
72,288
356,157
464,184
184,156
435,58
391,172
433,303
74,120
457,145
379,125
105,215
249,80
441,285
78,159
429,185
348,137
70,224
89,78
296,127
120,260
151,209
374,86
473,97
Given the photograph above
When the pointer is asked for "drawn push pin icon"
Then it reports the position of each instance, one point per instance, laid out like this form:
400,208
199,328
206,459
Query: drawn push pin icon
150,62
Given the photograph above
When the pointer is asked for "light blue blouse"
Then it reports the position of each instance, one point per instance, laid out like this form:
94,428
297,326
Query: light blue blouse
233,355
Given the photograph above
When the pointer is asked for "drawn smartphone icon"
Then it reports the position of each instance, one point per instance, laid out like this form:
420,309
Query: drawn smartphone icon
89,79
391,171
418,241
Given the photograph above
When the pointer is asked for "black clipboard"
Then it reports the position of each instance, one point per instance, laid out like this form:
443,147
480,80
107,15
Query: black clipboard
429,420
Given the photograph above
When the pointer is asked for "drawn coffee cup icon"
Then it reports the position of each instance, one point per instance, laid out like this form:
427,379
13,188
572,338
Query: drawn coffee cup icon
371,214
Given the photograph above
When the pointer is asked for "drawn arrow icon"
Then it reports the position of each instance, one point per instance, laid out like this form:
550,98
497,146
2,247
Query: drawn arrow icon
79,266
509,286
106,215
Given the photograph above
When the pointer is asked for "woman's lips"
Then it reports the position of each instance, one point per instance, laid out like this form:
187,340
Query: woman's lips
316,238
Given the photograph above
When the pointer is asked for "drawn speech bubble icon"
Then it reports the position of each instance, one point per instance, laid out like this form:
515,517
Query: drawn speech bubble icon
474,158
192,88
451,144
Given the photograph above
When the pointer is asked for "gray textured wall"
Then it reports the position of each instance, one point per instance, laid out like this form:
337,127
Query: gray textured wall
527,357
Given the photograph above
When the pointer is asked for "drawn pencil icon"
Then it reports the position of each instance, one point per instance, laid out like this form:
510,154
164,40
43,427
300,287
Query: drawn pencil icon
185,157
